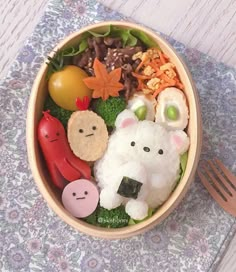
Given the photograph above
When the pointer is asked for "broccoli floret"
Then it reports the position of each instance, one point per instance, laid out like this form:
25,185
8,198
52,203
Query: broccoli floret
92,218
58,112
109,109
115,218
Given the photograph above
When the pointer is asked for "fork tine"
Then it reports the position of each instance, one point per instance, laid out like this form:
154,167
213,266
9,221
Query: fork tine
212,191
218,174
227,173
215,182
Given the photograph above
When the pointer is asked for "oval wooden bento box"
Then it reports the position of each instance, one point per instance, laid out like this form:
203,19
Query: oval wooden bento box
38,167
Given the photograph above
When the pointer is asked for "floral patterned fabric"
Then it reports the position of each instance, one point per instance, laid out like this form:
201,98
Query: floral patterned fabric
33,238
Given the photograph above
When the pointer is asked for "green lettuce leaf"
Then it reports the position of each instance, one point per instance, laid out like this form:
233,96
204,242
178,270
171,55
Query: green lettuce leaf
143,38
129,37
134,222
71,51
98,34
183,163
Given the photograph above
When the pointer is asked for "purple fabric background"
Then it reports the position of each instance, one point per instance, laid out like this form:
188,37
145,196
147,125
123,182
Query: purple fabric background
33,238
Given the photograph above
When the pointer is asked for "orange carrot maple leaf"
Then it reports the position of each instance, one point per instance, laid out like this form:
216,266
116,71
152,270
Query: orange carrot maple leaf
104,84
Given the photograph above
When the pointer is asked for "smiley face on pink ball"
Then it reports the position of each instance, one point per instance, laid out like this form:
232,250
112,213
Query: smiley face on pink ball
80,198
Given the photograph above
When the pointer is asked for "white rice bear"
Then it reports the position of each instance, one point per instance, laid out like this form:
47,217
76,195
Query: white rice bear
145,152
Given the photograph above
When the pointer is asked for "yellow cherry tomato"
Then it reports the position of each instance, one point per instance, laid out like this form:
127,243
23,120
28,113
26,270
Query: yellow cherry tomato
66,85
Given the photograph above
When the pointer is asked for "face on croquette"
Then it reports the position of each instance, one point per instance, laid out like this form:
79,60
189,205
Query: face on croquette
87,135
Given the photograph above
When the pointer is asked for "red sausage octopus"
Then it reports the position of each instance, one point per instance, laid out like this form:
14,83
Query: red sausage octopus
62,164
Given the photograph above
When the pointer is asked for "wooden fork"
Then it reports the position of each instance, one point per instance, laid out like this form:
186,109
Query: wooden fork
221,184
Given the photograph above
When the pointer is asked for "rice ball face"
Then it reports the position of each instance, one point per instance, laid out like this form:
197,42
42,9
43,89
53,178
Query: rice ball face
172,110
154,150
87,135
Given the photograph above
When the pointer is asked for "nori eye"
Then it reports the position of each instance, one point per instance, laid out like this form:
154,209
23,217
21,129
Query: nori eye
46,136
74,194
81,131
57,133
146,149
85,192
94,128
132,143
160,151
129,187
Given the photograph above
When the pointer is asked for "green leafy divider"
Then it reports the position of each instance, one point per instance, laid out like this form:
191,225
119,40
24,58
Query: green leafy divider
98,34
144,38
183,164
63,57
83,45
150,213
72,51
129,37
